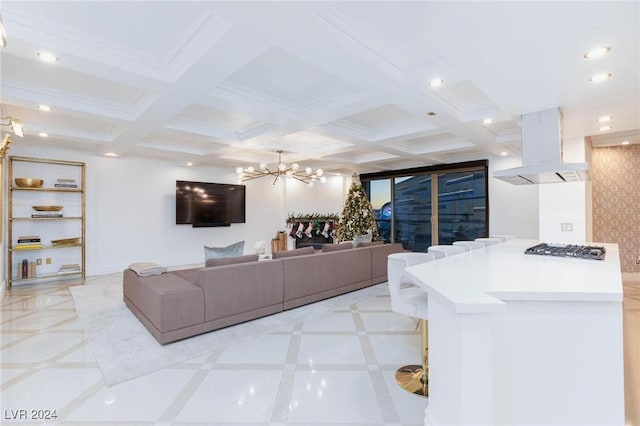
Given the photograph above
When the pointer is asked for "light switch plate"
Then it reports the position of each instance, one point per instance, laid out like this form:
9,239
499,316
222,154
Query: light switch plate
566,227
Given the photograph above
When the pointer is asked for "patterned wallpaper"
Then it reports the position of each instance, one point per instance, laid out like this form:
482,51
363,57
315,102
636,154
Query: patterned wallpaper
615,175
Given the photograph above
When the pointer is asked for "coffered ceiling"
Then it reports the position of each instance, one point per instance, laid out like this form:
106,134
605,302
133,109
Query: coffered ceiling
340,85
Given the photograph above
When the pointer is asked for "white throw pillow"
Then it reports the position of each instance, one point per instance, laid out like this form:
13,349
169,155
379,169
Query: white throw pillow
233,250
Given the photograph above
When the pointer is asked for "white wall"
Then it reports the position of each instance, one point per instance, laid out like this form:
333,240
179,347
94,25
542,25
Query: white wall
513,209
131,210
566,203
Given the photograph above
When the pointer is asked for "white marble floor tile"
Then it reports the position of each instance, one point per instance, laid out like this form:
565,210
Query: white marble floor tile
142,399
330,350
72,325
398,350
409,407
387,321
37,320
375,304
50,388
40,302
330,322
327,397
233,397
266,349
7,374
40,347
82,354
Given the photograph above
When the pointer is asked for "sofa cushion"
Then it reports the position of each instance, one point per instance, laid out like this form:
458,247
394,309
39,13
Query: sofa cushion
372,243
336,247
231,260
297,252
233,250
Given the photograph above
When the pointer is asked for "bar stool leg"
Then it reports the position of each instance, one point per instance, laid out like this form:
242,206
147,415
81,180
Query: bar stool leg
415,378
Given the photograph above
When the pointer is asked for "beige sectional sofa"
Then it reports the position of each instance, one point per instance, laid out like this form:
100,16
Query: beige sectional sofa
183,303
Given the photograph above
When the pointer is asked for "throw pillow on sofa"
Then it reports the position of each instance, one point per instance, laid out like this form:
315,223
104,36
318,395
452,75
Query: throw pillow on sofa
296,252
336,247
233,250
361,239
219,261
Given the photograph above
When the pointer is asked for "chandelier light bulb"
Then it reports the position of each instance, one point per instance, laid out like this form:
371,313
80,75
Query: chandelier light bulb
263,166
295,167
239,170
250,169
308,170
319,172
282,167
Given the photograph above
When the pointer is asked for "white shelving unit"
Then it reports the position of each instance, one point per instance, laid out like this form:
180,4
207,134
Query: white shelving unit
50,257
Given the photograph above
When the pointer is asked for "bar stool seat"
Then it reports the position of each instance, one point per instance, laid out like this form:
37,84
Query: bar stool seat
441,251
471,245
409,299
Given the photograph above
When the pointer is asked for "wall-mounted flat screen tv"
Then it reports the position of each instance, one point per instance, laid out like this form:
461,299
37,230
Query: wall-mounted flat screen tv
209,204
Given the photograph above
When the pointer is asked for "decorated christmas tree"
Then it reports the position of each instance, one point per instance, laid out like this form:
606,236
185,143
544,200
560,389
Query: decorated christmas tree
357,215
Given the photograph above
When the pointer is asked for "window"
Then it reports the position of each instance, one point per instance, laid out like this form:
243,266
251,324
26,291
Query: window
408,212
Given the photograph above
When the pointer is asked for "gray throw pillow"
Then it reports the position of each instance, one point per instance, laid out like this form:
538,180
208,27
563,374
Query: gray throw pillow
219,261
373,243
291,253
233,250
360,239
336,247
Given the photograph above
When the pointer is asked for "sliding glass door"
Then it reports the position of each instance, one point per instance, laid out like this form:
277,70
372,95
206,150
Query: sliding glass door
430,205
412,212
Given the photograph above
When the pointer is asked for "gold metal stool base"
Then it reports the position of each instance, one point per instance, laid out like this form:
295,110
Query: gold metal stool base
415,378
412,379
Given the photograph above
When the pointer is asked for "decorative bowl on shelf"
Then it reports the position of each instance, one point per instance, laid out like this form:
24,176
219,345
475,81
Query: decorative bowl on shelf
65,241
47,208
29,182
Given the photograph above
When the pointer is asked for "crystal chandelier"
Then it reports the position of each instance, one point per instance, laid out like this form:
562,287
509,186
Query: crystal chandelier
307,175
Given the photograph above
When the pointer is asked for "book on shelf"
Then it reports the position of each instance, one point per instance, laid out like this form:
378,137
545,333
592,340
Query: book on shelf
65,183
28,239
28,246
46,214
69,269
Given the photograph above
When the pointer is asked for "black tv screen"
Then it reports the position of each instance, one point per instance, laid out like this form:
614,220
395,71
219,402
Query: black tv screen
209,204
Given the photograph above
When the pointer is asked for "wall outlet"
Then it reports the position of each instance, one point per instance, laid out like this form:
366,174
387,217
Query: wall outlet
48,260
566,227
38,261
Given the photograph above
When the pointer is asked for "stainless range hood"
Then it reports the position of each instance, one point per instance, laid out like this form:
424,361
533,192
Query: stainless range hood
542,153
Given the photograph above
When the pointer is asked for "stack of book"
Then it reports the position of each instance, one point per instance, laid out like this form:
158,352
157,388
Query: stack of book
27,269
69,269
65,183
47,214
29,242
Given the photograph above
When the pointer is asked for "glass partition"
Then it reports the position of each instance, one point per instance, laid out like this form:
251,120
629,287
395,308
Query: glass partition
412,212
461,206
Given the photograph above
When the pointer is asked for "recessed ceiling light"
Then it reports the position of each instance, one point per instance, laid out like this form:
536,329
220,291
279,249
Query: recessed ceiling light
605,119
504,153
431,113
624,143
43,134
110,154
47,57
189,164
597,52
435,82
604,128
598,78
487,121
45,108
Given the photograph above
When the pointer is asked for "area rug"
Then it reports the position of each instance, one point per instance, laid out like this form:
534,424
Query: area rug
124,349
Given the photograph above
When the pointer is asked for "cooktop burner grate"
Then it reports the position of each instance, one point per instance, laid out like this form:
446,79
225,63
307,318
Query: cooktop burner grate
568,250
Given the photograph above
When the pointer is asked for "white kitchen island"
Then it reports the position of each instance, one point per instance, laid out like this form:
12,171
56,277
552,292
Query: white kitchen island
524,339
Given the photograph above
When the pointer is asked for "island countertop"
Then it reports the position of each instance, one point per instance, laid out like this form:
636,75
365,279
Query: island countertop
483,280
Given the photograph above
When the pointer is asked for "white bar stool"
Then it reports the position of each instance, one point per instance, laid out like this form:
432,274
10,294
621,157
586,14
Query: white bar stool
407,298
489,241
470,245
441,251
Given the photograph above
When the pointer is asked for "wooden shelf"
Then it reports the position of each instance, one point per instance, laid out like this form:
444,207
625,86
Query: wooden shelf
45,276
47,247
46,218
19,188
